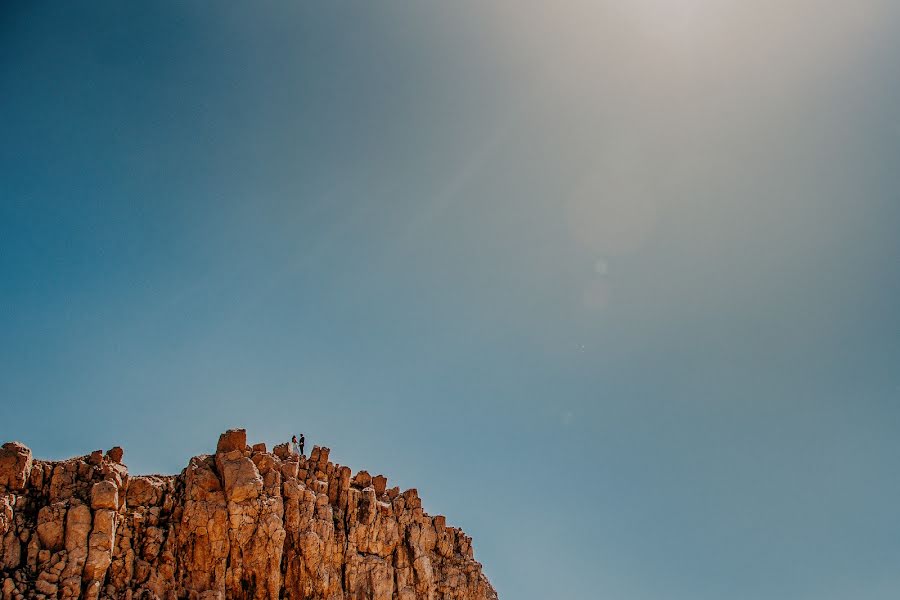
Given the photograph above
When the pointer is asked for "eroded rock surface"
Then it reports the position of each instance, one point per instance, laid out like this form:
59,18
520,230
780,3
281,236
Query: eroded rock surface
240,523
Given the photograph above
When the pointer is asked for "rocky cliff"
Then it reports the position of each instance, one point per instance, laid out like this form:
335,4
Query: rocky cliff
240,523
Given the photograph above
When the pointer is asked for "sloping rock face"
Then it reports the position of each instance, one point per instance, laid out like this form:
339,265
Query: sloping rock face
240,523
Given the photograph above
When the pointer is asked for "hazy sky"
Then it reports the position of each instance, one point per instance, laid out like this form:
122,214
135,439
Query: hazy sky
615,285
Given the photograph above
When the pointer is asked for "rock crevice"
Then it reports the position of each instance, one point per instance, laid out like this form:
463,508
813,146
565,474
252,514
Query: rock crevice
239,523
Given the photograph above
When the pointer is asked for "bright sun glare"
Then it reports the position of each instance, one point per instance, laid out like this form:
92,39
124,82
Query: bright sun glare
672,17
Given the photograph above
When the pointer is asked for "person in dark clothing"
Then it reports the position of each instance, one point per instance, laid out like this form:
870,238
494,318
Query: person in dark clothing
302,442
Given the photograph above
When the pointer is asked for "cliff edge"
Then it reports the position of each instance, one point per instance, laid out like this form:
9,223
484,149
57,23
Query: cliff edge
240,523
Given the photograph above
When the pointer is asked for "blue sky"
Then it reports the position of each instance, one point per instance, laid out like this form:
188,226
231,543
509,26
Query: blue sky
614,284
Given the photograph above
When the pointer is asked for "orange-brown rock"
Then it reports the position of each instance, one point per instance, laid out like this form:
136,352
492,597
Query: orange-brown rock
15,465
115,454
240,523
233,439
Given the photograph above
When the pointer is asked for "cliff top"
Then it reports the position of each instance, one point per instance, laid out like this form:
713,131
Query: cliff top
242,522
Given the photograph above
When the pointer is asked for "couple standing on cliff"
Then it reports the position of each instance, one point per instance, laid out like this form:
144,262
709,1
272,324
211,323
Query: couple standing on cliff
297,445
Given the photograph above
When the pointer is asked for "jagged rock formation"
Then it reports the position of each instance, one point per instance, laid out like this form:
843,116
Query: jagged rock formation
242,523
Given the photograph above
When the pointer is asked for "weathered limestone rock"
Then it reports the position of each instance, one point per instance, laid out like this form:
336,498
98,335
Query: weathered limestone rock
100,546
146,491
233,439
242,523
241,478
282,451
115,454
78,527
105,494
51,526
15,465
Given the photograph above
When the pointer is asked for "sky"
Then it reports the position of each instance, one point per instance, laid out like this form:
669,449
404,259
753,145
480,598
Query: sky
615,285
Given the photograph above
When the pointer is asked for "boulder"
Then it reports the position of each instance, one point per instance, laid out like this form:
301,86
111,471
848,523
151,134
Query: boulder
233,439
105,494
282,451
115,454
379,482
51,526
241,478
15,465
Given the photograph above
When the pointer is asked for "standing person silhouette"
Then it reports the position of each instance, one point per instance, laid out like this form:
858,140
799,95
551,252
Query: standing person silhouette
302,442
294,446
